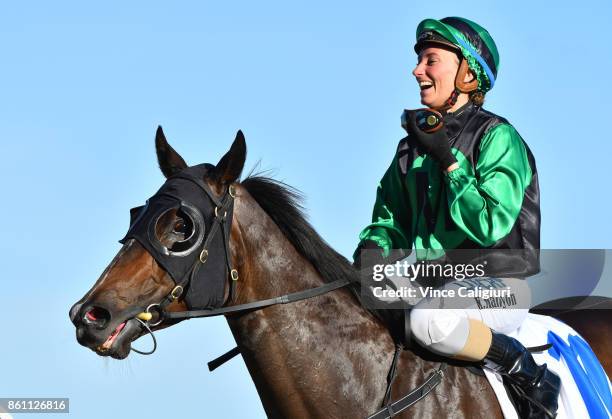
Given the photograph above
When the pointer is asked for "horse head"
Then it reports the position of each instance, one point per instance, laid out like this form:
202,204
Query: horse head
176,253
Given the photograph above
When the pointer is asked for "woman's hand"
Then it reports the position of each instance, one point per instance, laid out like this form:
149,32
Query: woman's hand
368,254
435,144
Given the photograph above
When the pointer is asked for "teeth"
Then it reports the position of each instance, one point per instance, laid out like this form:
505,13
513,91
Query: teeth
425,83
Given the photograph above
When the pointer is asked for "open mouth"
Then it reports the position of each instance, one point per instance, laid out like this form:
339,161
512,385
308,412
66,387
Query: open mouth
424,85
119,343
109,342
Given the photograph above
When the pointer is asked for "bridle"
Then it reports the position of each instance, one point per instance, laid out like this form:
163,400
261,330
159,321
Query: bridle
221,223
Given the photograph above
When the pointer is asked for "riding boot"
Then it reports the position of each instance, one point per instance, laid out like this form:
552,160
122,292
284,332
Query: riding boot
534,389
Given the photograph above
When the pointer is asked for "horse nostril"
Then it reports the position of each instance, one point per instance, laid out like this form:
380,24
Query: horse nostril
97,317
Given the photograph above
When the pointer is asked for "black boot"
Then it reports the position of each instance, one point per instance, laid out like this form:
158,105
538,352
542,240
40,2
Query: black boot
534,389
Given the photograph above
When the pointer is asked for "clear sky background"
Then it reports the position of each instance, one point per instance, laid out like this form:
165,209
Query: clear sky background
317,87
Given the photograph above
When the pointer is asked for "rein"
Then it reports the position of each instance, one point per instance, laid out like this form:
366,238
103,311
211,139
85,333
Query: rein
222,208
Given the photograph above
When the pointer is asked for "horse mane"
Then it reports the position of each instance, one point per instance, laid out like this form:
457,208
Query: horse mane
283,204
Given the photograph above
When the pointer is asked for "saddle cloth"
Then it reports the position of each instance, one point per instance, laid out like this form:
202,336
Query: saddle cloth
585,388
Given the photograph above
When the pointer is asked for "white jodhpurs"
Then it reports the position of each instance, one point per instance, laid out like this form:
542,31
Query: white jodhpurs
445,330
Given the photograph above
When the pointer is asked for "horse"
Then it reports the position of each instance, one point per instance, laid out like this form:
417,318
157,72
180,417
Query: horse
325,356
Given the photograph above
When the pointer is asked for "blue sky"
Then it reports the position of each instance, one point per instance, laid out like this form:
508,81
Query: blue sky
318,89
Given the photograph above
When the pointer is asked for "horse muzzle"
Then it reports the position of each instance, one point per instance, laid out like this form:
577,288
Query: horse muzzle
104,333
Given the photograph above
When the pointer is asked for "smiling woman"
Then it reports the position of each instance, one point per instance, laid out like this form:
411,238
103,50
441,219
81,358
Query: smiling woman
435,72
471,183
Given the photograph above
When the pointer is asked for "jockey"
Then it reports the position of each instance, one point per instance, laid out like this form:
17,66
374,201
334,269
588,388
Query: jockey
471,185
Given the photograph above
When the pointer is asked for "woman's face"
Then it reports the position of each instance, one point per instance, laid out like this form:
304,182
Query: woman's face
435,73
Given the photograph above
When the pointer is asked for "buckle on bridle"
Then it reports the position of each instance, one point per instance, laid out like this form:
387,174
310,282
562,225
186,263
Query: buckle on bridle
203,256
176,292
217,213
234,274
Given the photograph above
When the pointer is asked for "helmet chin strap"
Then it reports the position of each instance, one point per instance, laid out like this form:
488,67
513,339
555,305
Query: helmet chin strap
460,86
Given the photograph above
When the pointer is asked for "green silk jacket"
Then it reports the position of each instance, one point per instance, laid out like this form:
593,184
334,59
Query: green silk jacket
490,202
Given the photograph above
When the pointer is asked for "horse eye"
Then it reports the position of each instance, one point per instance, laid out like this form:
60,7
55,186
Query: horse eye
179,226
183,226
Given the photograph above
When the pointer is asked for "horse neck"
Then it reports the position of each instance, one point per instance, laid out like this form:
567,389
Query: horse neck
295,349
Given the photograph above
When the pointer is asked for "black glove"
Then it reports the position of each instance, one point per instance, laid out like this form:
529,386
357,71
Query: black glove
435,144
368,254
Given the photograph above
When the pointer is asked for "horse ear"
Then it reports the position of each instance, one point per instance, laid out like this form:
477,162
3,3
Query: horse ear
170,162
231,164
